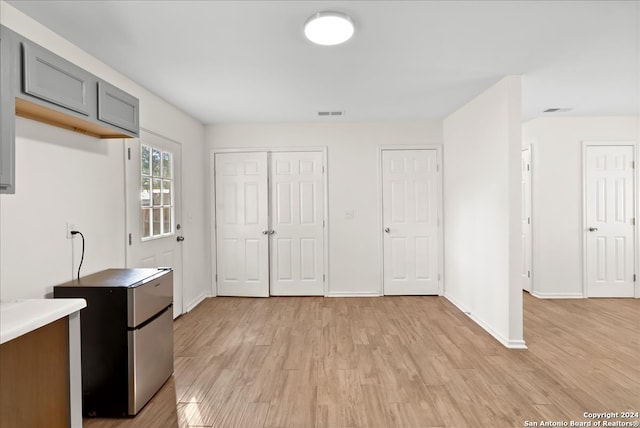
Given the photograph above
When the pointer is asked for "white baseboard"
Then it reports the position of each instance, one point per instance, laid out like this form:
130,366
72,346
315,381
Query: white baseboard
516,344
540,295
507,343
352,294
195,302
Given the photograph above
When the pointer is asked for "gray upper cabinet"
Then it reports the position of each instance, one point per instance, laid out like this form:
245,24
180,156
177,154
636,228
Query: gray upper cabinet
7,108
54,79
52,90
118,108
39,85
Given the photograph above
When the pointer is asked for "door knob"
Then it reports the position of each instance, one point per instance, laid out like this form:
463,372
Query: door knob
180,238
271,232
593,229
387,230
265,232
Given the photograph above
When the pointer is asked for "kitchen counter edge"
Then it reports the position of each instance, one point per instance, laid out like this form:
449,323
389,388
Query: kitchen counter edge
20,317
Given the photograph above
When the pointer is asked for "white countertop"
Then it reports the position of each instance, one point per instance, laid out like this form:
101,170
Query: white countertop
23,316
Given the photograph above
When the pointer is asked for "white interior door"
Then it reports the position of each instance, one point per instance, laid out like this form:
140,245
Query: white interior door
297,222
609,204
153,177
526,219
242,226
410,221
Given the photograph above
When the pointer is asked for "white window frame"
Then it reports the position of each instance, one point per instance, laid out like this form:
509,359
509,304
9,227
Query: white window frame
162,206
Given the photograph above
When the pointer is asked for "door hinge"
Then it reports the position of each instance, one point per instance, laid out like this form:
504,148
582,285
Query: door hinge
323,277
438,277
528,274
216,278
528,220
528,167
129,153
633,221
634,277
323,224
437,167
129,239
323,169
633,164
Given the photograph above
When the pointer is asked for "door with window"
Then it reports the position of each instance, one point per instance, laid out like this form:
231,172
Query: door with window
153,207
410,222
610,220
269,223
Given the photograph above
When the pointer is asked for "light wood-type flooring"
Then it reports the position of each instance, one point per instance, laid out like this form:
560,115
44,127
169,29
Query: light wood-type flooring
393,362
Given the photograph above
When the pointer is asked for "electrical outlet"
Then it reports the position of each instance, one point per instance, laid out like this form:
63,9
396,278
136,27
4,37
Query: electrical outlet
71,225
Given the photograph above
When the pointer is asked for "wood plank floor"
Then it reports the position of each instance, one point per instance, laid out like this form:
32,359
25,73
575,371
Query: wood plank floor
393,362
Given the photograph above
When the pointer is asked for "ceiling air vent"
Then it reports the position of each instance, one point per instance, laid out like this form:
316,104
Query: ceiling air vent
557,110
330,113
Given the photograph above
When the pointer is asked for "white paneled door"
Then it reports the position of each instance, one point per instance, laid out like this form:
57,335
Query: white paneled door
526,219
153,207
609,216
269,223
297,213
410,221
242,224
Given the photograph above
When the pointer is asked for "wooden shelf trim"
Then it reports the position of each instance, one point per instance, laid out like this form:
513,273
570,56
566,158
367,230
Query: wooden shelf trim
33,111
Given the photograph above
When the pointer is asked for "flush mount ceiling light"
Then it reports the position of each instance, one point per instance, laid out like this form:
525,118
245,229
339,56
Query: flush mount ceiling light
329,28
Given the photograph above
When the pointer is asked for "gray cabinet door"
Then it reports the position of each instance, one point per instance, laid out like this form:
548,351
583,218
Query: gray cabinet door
51,78
7,119
118,108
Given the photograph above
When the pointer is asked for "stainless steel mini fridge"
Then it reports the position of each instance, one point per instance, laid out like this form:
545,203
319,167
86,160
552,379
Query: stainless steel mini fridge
126,335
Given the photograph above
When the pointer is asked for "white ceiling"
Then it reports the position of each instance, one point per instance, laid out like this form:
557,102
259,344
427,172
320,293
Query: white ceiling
241,61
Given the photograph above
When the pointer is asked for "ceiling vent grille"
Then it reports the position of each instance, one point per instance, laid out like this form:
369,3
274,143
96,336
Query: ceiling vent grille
557,110
331,113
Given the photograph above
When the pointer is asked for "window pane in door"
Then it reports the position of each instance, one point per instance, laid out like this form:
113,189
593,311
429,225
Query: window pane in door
157,192
157,221
145,160
145,192
166,220
155,163
146,222
166,192
166,165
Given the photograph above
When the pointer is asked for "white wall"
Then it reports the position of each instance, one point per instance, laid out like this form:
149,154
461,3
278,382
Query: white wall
482,210
63,176
557,195
354,264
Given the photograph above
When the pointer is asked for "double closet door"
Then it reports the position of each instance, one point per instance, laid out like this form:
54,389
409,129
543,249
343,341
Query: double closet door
269,219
